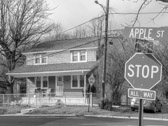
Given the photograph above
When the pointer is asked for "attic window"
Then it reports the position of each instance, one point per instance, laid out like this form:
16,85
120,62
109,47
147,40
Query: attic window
78,55
40,59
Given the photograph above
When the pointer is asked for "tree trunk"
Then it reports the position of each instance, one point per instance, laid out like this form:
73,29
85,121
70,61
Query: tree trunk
109,98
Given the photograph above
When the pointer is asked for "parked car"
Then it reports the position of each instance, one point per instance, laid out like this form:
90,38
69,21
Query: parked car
151,105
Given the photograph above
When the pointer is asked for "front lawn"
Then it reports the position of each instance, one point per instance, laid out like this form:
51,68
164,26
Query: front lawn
12,109
75,110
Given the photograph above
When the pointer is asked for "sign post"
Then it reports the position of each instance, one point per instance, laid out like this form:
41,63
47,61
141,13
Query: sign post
91,80
140,111
143,72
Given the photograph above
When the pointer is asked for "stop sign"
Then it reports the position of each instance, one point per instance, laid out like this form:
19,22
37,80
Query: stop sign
143,71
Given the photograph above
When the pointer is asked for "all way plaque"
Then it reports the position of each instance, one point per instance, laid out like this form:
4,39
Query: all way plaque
141,94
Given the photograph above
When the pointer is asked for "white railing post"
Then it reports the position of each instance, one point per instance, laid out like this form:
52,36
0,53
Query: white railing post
91,100
65,98
49,97
3,99
29,99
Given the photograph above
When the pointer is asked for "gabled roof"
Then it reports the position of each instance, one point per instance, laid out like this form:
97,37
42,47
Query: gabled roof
65,44
53,69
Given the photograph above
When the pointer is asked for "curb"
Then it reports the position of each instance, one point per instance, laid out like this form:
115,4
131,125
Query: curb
42,115
127,117
73,115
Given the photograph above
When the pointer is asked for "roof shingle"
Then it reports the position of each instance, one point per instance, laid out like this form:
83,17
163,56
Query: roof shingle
65,44
54,68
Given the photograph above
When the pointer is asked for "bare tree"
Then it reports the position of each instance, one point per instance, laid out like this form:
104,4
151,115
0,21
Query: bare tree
96,27
118,54
22,24
58,33
161,51
146,3
80,32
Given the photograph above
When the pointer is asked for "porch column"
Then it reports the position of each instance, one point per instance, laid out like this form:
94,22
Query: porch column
84,88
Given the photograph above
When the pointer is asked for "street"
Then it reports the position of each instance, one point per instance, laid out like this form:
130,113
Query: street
73,121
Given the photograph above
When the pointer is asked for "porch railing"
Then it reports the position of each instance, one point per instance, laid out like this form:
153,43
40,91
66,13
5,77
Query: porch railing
38,99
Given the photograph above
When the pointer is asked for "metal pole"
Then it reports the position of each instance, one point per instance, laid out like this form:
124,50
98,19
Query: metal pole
105,54
140,111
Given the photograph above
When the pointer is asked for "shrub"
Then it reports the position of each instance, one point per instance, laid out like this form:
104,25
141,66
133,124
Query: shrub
3,111
59,103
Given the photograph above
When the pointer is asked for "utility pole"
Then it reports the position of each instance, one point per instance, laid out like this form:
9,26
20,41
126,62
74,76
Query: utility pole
106,11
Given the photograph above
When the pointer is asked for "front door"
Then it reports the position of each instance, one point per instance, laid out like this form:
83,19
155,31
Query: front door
59,86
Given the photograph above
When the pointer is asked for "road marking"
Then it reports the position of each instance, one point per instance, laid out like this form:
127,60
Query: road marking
146,125
155,125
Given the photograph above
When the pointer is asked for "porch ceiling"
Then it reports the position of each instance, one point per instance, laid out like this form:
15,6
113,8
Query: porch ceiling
53,69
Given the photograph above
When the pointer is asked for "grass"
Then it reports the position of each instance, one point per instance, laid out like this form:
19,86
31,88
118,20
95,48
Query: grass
74,110
12,109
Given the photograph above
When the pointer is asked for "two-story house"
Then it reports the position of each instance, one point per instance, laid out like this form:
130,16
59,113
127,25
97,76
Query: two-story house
60,67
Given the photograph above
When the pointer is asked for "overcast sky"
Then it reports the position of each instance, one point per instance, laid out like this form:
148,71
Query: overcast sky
71,13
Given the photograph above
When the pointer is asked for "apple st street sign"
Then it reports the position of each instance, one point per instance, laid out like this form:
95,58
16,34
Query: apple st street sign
150,33
141,94
143,71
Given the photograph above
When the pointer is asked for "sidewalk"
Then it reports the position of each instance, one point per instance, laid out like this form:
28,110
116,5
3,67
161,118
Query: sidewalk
130,117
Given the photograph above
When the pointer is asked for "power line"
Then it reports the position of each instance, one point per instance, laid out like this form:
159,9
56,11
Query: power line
117,13
82,24
144,13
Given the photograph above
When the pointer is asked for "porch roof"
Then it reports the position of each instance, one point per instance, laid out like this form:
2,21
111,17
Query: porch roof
54,69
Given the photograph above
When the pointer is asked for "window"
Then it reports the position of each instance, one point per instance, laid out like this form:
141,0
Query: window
81,81
74,81
37,59
79,56
60,78
42,82
82,55
40,59
74,56
45,82
77,81
38,82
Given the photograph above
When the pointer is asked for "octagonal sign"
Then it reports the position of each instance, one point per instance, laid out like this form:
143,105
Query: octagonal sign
143,71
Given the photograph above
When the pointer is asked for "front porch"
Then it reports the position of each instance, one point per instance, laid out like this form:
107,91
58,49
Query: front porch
49,90
66,88
67,82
